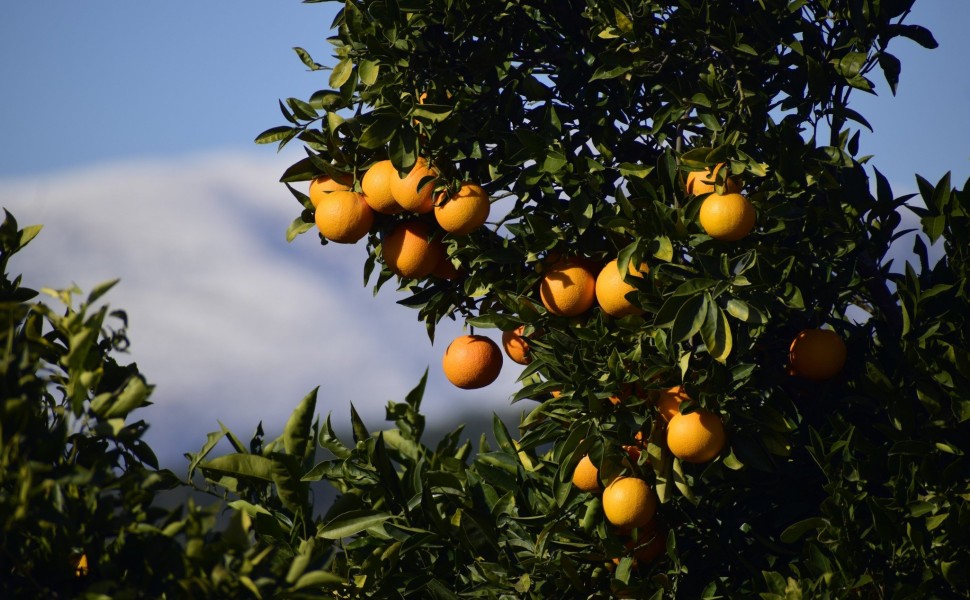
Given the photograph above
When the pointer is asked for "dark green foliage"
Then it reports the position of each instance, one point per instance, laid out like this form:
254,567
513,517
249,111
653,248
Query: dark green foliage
76,478
585,118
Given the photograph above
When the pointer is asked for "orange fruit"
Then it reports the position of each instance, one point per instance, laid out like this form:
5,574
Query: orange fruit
668,402
702,182
515,345
472,361
696,437
650,544
405,190
727,217
586,476
611,290
343,217
568,289
817,354
410,252
376,186
629,502
465,211
324,185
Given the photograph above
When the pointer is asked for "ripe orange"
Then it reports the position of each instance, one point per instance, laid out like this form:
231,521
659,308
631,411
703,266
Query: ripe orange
629,502
515,345
376,186
410,252
568,289
696,437
465,211
727,217
586,476
343,217
611,290
702,182
668,402
472,361
324,185
817,354
405,190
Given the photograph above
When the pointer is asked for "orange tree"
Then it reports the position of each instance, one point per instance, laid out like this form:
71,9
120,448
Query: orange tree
662,206
819,445
816,445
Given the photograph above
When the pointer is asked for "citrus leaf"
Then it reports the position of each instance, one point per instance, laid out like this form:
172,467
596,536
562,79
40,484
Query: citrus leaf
689,318
796,531
318,579
379,132
743,311
341,73
242,465
296,433
352,523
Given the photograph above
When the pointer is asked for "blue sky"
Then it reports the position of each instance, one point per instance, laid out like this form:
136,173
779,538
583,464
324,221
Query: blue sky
126,128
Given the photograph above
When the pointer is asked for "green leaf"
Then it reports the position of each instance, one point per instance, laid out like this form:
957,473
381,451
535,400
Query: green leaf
341,73
935,521
359,429
290,489
623,22
318,579
368,71
796,531
716,332
27,234
297,227
100,290
302,109
414,397
379,132
851,64
432,112
662,248
307,60
609,72
242,465
634,170
920,35
296,433
352,523
693,286
689,318
134,395
194,459
743,311
329,440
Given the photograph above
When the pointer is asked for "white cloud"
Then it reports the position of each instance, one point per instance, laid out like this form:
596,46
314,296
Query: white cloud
229,320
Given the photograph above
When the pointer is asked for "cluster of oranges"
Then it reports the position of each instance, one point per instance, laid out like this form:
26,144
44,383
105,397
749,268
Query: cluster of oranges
410,249
697,436
569,288
572,286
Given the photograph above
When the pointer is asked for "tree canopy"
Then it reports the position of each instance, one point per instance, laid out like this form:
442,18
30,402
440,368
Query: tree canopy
785,406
